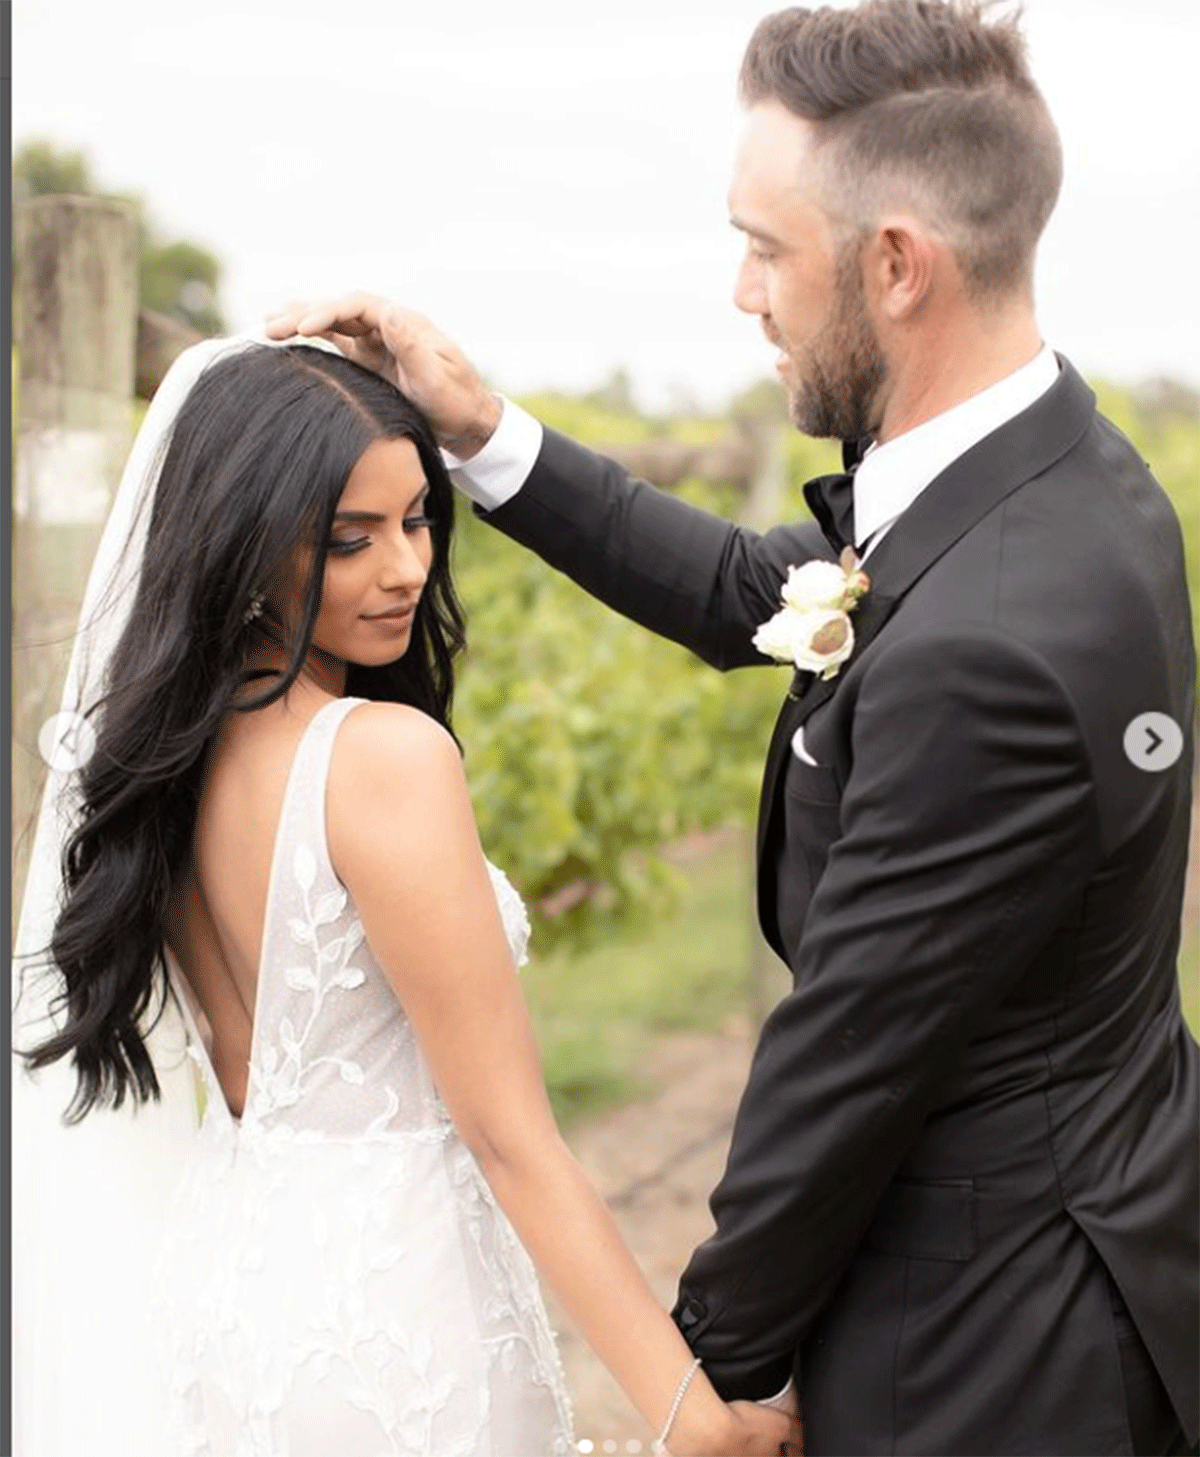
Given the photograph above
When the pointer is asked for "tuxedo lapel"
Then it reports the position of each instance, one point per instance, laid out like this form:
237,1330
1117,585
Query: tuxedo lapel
785,726
955,501
971,487
807,693
872,612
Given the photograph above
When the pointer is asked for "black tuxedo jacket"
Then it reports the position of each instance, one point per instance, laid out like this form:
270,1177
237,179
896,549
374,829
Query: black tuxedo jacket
977,1112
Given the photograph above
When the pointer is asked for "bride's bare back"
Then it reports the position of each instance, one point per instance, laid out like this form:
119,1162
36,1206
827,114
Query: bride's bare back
218,906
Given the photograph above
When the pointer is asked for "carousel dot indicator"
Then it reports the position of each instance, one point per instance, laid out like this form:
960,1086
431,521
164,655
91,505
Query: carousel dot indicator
66,741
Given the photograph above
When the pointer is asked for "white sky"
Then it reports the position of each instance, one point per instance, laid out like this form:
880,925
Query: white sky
547,180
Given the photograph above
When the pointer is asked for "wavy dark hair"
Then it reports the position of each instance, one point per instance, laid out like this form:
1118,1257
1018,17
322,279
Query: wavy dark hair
257,460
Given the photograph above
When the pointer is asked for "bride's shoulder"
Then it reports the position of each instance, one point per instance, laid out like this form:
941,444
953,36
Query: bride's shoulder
396,803
390,765
390,739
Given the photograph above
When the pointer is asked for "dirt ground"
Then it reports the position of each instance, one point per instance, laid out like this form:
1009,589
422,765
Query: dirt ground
660,1198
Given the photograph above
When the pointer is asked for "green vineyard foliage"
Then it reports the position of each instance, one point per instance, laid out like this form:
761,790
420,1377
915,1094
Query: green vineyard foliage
590,743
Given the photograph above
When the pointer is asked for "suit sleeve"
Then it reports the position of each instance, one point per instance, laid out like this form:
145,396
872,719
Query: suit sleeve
968,821
684,573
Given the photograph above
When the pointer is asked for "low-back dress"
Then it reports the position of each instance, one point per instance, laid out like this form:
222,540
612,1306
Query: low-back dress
338,1279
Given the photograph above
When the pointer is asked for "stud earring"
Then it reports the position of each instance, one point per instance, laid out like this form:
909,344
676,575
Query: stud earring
256,607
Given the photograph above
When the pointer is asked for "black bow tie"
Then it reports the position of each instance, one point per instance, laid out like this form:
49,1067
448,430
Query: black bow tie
831,498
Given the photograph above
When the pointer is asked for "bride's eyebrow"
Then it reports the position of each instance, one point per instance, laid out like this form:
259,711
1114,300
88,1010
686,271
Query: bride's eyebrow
378,516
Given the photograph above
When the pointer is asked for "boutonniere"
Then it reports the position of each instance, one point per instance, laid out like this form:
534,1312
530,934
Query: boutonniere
813,628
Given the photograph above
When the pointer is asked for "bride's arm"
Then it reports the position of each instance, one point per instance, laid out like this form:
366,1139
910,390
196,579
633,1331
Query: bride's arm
403,840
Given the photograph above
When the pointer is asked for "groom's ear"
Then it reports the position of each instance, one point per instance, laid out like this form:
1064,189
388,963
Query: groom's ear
900,264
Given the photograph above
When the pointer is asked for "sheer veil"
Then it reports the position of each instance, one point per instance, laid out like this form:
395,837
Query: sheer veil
90,1200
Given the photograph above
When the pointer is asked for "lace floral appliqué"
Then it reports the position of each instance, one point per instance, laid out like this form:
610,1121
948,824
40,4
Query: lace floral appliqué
340,1277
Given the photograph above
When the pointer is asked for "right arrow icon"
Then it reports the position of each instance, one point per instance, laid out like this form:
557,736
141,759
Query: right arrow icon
1153,742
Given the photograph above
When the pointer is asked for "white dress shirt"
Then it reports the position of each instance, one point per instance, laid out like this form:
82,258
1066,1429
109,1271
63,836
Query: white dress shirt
892,476
886,483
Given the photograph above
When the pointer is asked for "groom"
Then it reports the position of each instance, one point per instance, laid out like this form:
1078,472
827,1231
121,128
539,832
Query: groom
960,1205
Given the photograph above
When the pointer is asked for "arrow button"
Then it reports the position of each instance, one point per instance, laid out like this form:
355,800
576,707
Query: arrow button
1153,742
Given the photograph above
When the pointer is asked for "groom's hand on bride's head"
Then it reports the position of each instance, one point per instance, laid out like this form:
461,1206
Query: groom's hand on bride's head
406,348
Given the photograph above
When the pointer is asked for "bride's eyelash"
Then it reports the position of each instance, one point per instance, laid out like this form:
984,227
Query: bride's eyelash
347,548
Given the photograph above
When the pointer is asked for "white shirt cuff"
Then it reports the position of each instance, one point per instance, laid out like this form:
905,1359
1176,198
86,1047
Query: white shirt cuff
782,1392
497,472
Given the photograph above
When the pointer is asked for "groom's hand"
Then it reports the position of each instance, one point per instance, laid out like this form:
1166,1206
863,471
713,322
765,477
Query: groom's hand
405,348
766,1430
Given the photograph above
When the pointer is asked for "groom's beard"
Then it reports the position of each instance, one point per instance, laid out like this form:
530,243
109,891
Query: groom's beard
839,377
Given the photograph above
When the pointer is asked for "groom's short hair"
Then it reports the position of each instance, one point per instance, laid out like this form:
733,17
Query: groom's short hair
922,105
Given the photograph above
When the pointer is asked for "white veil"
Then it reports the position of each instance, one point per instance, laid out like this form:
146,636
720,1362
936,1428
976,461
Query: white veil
89,1200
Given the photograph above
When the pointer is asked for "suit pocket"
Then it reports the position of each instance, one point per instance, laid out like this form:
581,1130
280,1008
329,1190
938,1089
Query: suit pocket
925,1221
813,815
810,782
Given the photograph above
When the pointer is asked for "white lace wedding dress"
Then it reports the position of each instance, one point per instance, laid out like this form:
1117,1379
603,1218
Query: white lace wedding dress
339,1280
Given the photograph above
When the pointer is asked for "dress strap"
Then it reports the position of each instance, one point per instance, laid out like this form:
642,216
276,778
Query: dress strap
303,816
316,743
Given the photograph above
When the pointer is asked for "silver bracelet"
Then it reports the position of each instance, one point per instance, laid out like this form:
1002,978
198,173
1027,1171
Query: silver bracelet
660,1442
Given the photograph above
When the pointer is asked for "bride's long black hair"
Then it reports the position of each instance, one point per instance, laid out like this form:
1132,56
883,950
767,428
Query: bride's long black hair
259,455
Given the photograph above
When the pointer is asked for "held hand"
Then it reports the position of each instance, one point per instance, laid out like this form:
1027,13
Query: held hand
761,1429
750,1430
407,349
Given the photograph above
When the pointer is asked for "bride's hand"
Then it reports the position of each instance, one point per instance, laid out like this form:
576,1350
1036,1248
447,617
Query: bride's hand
407,349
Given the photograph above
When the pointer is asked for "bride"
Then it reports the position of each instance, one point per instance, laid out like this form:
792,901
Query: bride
263,855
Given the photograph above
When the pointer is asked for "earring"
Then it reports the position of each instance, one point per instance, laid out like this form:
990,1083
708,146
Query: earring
256,607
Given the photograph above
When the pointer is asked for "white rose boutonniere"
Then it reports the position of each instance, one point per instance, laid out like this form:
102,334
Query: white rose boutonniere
813,628
815,584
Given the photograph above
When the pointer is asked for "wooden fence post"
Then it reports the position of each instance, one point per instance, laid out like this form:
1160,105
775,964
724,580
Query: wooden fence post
77,265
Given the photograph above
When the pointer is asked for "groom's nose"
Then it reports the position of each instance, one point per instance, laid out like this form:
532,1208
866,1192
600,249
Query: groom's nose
749,291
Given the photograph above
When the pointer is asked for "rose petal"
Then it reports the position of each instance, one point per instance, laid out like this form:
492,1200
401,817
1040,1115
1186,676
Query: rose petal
829,638
817,585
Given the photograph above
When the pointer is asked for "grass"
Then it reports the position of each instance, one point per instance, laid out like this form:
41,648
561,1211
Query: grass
598,1013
